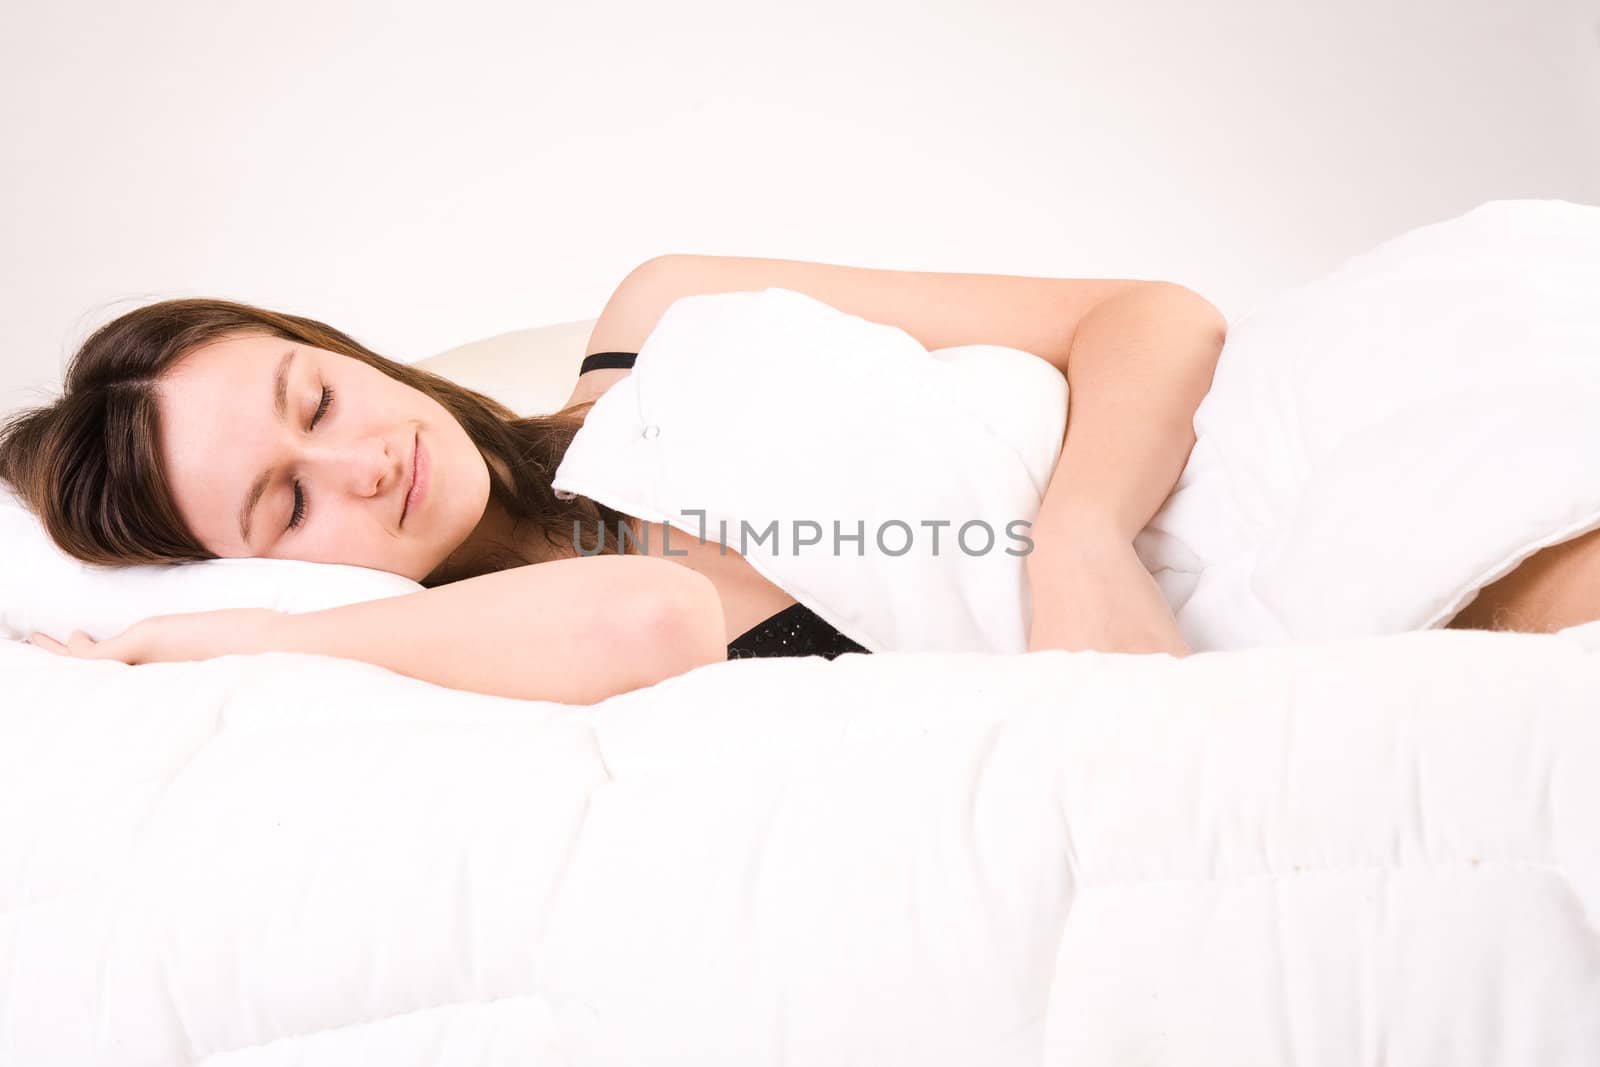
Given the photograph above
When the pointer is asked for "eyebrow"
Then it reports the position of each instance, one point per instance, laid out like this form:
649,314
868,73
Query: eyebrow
280,405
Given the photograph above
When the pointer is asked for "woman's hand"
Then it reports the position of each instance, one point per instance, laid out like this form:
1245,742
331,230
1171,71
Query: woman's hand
1091,591
192,635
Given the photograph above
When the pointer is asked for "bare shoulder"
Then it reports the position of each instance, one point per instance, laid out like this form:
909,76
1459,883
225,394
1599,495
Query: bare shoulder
630,314
636,305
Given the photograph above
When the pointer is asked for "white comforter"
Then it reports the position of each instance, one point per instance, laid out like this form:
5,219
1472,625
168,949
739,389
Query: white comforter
1384,850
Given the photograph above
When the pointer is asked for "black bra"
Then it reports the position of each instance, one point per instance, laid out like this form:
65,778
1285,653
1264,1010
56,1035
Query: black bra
605,361
794,631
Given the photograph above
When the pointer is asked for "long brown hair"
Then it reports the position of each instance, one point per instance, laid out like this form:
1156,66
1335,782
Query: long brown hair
89,464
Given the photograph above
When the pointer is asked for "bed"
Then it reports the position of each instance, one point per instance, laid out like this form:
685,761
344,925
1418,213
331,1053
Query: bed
1336,834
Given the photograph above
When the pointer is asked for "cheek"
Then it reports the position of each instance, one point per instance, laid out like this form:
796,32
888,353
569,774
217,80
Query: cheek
331,534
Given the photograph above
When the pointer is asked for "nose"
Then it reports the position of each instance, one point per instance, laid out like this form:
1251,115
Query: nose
365,466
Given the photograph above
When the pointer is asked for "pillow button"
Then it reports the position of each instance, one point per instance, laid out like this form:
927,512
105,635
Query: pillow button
651,431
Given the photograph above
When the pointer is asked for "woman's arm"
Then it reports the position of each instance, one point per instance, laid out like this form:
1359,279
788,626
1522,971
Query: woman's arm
1137,370
940,310
573,630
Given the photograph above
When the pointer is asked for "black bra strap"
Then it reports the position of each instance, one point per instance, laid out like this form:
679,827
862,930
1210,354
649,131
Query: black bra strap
606,360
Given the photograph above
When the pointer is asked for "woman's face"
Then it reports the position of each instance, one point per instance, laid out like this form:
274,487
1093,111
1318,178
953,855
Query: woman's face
223,431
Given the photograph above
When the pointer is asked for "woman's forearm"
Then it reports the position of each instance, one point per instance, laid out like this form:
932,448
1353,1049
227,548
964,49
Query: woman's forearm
1094,592
1137,369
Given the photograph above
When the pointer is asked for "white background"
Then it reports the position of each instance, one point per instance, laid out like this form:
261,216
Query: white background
423,175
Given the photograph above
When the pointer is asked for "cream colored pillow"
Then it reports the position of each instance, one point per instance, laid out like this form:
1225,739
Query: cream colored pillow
531,371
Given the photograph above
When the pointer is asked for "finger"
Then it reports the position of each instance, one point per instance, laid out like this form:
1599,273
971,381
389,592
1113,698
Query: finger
81,644
48,643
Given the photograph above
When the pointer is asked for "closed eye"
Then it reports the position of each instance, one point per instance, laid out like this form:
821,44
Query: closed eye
322,408
299,495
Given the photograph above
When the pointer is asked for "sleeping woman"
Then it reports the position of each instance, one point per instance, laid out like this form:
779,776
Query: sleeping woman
196,429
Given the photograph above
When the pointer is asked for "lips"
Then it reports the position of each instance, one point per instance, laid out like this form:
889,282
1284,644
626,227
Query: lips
411,483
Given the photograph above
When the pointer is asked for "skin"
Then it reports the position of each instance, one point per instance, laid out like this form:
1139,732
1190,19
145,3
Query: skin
1554,588
354,468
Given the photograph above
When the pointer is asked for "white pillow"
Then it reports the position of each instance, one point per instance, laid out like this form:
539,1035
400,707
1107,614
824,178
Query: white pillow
775,409
1381,443
42,588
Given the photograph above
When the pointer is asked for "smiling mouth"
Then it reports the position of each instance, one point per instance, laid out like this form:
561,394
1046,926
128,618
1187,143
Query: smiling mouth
411,484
